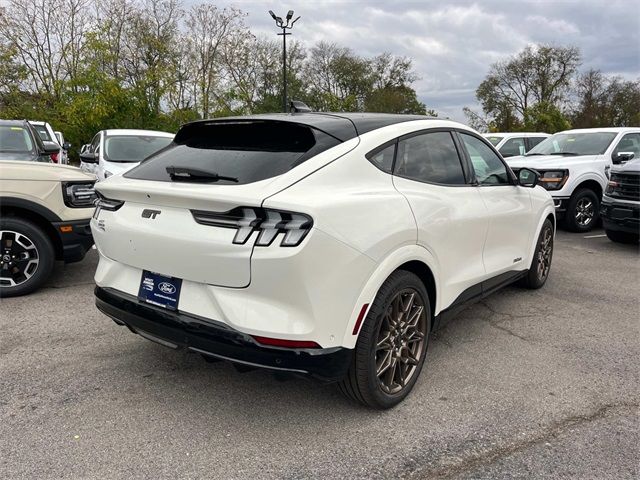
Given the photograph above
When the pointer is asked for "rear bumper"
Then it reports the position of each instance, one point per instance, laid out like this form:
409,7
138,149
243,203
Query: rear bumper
620,216
182,330
75,243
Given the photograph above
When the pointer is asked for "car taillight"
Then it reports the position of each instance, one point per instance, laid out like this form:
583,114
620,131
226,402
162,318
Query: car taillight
269,223
54,157
104,203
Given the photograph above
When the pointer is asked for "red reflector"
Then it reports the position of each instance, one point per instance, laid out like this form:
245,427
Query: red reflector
363,310
279,342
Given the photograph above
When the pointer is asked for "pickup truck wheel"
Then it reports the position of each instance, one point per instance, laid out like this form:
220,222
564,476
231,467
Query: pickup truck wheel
26,257
622,237
583,211
392,345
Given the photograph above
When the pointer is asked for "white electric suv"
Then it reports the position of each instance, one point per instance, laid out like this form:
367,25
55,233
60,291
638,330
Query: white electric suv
329,245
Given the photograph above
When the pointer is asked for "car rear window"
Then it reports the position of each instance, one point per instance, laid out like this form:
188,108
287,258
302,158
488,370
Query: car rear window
248,151
15,139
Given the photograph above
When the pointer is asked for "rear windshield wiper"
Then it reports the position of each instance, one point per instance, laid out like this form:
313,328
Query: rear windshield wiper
196,175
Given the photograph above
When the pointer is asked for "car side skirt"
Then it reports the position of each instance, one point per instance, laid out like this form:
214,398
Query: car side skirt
476,293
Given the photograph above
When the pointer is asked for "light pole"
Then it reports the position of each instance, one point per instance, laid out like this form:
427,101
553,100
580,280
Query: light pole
284,25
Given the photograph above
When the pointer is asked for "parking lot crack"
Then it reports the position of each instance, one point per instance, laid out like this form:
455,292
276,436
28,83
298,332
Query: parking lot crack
506,314
473,462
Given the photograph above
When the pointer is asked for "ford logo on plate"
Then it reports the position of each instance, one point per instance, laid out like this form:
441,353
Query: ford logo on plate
166,287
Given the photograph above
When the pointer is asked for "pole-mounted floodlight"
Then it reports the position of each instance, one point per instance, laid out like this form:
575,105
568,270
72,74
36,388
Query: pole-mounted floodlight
285,25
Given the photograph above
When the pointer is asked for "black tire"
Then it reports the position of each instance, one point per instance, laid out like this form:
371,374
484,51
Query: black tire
540,266
623,237
11,267
361,382
576,218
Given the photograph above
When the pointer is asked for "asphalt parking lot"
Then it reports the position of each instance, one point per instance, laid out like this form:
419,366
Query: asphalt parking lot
524,384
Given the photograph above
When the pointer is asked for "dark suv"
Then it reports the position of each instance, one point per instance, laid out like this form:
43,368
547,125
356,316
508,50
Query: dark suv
620,209
20,141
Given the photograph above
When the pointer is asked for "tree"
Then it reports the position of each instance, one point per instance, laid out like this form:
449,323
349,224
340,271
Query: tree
545,117
538,74
49,48
209,28
606,101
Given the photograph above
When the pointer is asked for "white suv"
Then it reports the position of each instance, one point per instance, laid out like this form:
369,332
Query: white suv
574,166
112,152
329,245
515,143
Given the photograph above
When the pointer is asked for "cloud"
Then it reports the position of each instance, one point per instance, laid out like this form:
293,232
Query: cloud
453,43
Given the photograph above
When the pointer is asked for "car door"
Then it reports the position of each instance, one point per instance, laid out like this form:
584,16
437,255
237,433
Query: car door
508,206
451,217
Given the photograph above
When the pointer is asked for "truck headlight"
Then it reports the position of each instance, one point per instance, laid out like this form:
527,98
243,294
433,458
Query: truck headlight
553,179
78,194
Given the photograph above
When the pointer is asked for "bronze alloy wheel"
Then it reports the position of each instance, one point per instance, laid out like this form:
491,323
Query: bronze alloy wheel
400,343
544,253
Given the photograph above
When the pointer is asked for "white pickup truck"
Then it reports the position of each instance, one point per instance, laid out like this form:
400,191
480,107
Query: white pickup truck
574,167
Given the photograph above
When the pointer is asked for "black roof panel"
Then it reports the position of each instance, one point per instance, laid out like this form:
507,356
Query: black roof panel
342,126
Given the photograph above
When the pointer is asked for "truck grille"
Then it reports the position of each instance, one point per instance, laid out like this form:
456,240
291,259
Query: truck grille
625,186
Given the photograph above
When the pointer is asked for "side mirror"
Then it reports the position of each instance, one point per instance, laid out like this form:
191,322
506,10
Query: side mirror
88,157
622,157
528,177
66,145
50,147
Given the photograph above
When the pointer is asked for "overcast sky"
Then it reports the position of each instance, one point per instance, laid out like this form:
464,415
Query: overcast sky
453,43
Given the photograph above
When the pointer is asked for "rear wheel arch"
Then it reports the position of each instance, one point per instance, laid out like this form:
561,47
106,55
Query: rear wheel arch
411,258
424,273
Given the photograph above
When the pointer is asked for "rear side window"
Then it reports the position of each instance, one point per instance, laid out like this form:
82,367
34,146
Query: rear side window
431,158
248,151
382,157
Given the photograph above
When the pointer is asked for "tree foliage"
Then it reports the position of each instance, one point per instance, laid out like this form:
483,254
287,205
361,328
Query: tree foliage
86,65
541,89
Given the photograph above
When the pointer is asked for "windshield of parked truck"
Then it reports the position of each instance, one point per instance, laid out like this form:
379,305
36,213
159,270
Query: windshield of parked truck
15,139
133,148
585,143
